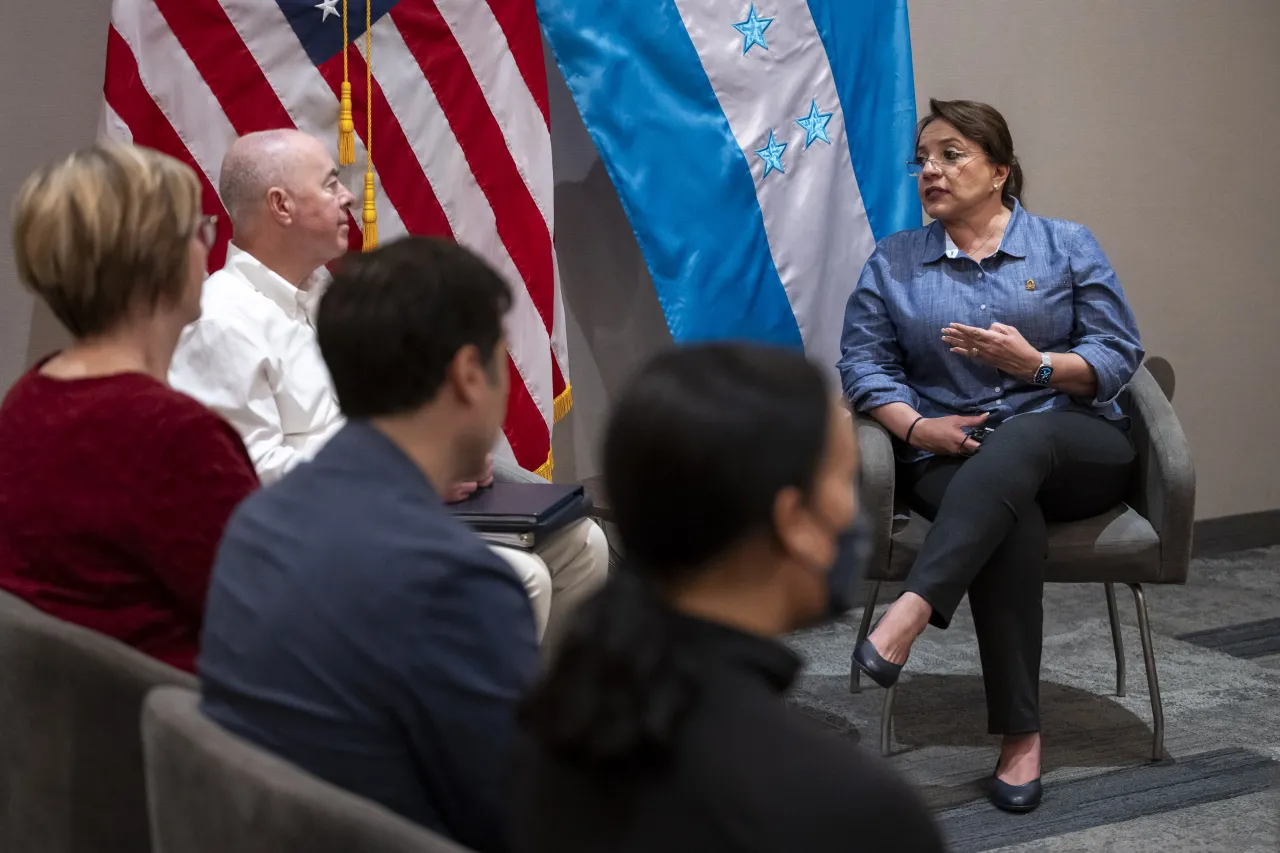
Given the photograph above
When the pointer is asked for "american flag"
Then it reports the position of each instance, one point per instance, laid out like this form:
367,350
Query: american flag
460,135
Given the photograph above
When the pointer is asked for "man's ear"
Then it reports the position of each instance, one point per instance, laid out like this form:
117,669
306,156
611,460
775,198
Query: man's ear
467,374
280,206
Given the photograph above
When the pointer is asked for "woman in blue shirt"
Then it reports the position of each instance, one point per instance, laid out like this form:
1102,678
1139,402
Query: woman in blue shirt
996,330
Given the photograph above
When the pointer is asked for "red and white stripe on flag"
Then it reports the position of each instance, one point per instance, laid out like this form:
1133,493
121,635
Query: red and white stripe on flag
461,142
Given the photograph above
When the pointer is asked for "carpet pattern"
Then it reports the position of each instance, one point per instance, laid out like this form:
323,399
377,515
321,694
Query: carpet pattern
1217,643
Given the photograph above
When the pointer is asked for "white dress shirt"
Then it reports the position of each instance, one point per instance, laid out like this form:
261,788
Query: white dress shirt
252,357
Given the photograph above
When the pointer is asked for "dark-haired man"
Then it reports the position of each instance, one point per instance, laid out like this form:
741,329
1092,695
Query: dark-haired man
354,627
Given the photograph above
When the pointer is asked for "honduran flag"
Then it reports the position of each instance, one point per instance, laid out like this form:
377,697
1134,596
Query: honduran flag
759,149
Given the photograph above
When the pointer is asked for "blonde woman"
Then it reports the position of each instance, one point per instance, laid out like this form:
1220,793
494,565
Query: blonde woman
114,488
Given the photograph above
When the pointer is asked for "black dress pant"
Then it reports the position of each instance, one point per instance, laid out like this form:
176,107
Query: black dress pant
989,538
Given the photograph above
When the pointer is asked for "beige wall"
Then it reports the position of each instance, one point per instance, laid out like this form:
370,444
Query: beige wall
50,92
1152,121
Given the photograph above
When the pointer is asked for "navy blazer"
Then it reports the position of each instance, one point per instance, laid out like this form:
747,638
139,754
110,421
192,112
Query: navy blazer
358,630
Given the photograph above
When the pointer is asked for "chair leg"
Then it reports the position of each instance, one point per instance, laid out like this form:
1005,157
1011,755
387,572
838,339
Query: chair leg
1153,683
855,674
886,721
1116,639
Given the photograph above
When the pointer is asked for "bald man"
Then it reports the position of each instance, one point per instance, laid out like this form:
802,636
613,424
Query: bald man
252,356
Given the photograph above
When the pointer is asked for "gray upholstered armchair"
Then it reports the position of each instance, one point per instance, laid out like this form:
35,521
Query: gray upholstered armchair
1146,540
71,775
208,791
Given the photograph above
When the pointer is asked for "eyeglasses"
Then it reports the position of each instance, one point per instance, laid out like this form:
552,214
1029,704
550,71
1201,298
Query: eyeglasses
951,162
206,230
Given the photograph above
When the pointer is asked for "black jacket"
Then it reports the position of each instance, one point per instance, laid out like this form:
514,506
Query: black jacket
745,773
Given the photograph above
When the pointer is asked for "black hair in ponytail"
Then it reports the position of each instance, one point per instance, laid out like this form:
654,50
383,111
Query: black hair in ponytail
697,448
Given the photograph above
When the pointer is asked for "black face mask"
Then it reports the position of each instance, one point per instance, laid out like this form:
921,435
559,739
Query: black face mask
853,546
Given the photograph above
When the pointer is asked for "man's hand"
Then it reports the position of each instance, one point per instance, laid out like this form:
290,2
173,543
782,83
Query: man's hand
1002,347
459,492
946,436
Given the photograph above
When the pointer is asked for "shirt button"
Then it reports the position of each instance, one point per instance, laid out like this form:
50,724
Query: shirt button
980,273
983,307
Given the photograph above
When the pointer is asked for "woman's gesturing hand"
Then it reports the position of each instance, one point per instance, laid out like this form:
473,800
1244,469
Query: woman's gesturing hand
946,436
1002,347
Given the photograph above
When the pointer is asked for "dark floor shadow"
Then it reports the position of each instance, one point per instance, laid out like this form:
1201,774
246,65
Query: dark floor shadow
1081,728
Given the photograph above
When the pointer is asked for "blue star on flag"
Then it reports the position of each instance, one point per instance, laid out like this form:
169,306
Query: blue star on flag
771,154
815,125
752,30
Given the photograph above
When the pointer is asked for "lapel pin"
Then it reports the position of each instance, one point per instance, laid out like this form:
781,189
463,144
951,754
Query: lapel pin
1031,284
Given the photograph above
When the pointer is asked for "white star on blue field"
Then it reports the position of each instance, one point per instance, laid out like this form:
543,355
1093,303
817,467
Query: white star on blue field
752,30
815,125
771,154
328,7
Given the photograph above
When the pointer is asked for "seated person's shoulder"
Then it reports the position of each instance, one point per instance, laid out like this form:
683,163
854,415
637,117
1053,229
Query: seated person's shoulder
826,786
165,412
1063,233
909,240
178,429
841,774
355,529
232,312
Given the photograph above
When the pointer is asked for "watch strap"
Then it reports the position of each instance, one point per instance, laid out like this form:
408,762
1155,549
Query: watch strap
1044,372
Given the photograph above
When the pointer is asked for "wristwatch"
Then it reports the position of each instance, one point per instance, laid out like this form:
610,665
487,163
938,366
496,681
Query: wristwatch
1044,372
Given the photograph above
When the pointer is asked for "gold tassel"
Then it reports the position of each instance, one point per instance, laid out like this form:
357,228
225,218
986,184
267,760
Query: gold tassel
563,403
547,467
370,210
370,213
346,123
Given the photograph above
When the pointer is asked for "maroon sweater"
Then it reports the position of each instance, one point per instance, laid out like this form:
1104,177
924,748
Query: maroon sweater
113,495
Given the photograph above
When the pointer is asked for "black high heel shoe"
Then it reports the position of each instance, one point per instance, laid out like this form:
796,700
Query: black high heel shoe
1018,799
881,671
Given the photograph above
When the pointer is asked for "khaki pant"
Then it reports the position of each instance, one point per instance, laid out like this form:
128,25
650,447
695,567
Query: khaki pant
559,575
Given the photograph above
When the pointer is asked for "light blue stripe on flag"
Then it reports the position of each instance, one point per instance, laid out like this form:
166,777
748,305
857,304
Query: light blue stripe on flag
868,44
683,179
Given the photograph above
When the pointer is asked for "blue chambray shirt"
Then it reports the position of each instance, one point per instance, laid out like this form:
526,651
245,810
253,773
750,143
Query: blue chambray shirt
1049,279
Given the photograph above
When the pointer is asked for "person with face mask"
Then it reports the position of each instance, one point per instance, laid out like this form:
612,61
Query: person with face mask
354,627
662,723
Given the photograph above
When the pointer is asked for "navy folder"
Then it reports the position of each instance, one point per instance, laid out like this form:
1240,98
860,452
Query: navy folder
522,515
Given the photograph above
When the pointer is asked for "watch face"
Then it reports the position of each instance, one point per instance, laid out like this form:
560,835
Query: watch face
1042,375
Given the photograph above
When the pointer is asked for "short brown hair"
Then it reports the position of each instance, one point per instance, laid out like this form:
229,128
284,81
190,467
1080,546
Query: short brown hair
105,232
984,125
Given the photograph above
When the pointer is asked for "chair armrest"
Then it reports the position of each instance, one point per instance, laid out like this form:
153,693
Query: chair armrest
1164,490
510,472
877,491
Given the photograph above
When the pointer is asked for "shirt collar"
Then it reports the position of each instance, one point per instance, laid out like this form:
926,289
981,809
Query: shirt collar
938,242
268,282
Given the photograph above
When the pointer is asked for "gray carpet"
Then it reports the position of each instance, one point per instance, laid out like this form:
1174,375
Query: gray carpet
1217,646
